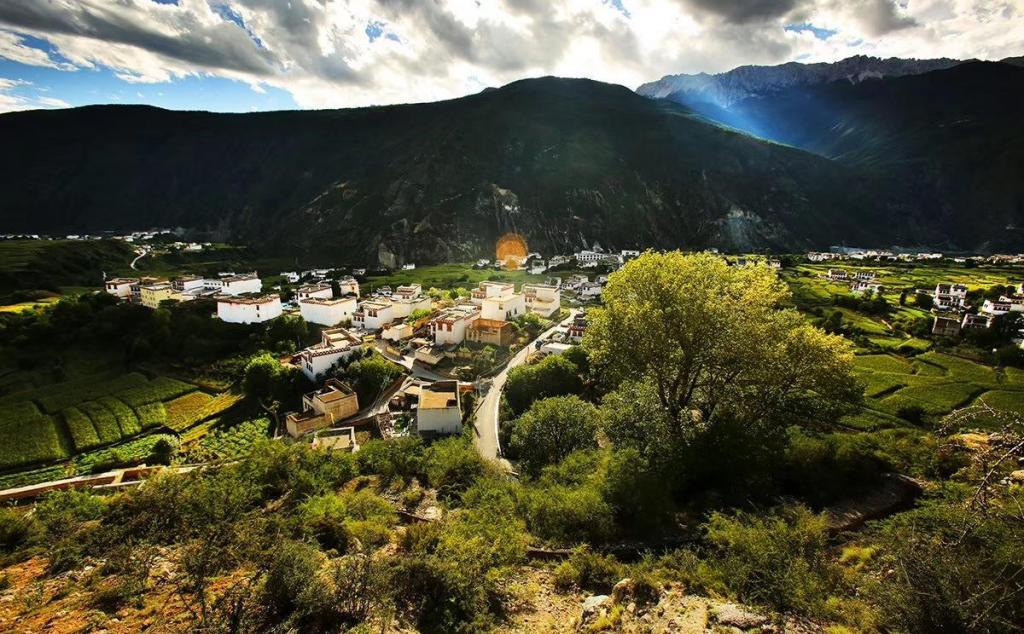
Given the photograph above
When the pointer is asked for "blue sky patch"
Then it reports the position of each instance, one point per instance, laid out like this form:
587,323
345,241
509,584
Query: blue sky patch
820,33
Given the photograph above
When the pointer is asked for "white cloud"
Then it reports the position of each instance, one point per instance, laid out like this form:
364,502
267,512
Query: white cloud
320,52
13,97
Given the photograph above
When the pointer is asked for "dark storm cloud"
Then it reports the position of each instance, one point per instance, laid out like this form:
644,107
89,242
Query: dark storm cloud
221,46
746,11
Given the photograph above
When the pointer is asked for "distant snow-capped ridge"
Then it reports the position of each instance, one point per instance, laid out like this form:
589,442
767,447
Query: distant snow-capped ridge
725,89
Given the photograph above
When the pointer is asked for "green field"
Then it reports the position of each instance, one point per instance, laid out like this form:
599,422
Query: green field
937,383
449,276
62,420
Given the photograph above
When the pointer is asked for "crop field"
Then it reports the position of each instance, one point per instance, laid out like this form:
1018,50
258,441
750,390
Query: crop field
230,442
935,382
61,420
195,407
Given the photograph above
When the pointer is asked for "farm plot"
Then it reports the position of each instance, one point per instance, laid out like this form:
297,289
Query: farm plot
229,443
159,389
28,436
54,398
933,399
186,411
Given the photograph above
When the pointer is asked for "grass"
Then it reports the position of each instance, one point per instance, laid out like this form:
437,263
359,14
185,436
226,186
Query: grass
883,363
159,389
961,369
54,398
1011,401
83,433
30,440
934,399
231,442
21,307
125,416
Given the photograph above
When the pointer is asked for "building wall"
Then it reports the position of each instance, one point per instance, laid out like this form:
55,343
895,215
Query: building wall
456,335
404,308
123,291
325,292
439,421
503,308
242,286
328,314
152,298
238,313
318,365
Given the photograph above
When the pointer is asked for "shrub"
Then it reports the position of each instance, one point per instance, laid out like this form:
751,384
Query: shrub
61,511
780,559
297,468
400,457
566,514
15,529
589,571
552,429
911,413
555,375
451,466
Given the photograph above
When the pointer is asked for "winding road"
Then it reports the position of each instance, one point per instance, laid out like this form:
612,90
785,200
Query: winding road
486,437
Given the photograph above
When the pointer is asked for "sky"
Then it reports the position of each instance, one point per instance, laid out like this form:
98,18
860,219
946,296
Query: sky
251,55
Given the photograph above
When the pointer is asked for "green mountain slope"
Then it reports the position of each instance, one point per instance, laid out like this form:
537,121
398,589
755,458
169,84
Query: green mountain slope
951,140
564,162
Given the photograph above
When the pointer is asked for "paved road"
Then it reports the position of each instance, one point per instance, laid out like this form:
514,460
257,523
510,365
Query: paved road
486,437
142,253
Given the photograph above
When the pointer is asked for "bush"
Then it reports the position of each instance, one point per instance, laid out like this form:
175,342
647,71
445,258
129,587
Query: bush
278,467
589,571
555,375
567,515
62,511
400,457
552,429
451,466
15,529
336,521
780,560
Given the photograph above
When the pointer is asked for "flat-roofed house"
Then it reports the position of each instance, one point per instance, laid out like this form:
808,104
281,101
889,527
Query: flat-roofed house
439,409
336,345
945,327
120,287
490,289
503,307
332,403
348,286
590,289
188,284
328,311
450,326
342,439
490,331
543,299
836,274
321,290
975,321
1001,307
397,331
236,284
248,309
407,299
150,295
373,314
950,296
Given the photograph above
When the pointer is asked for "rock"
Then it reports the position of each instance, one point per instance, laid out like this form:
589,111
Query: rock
730,614
591,604
622,590
1017,476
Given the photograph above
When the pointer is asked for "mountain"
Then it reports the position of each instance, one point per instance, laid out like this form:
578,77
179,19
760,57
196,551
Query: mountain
952,140
724,89
563,162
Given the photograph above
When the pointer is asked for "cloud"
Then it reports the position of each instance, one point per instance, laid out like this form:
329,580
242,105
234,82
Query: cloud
14,96
337,53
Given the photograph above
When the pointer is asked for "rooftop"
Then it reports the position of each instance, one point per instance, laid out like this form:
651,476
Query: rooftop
437,400
248,298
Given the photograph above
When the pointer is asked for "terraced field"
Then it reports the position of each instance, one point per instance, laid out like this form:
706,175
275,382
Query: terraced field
937,383
74,418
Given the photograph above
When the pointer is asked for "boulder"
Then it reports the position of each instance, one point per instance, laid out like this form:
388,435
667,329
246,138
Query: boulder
731,614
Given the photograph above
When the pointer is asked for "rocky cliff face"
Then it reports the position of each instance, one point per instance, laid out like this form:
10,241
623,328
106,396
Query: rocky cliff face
725,89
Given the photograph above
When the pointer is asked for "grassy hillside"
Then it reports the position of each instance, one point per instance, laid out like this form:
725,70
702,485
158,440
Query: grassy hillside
50,264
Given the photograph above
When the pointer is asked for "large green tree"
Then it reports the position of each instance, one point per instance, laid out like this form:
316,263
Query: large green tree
713,341
552,429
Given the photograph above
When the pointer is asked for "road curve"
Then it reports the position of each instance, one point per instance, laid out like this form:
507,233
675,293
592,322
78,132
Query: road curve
486,437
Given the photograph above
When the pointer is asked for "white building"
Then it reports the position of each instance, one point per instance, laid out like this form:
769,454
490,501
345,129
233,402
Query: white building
397,331
950,296
248,309
121,287
407,299
235,284
450,326
590,290
328,311
188,283
503,307
490,289
860,287
836,274
373,314
542,299
336,345
348,286
439,409
629,253
1002,307
291,276
314,290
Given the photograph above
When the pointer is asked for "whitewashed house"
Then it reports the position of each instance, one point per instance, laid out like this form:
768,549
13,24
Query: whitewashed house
439,409
542,299
248,309
373,314
348,286
336,345
328,311
291,276
1001,307
450,326
397,331
836,274
189,284
590,290
121,287
235,284
504,307
405,300
950,296
490,289
861,287
314,290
